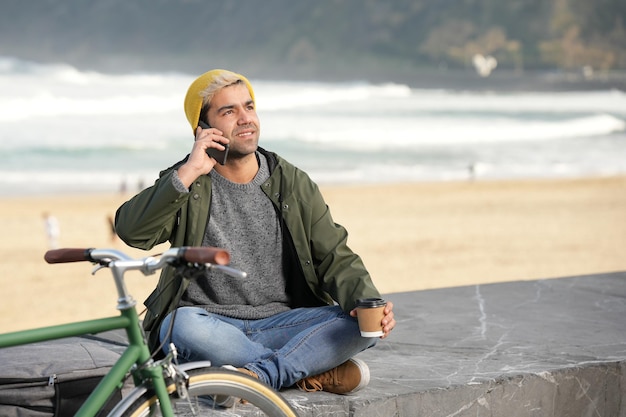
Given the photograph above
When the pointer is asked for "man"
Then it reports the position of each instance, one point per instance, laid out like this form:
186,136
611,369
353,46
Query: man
292,320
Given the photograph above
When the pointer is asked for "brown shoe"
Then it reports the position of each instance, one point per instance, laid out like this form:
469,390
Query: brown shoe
346,378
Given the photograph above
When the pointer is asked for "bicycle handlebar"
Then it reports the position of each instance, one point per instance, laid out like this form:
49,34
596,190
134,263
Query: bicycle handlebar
57,256
119,263
204,255
188,254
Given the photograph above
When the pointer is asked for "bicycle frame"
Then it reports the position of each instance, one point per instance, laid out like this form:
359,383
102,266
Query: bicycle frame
137,353
136,357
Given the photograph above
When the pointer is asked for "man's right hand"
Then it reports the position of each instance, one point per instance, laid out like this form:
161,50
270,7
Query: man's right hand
199,162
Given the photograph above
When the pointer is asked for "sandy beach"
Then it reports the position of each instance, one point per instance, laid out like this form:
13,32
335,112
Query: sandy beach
411,237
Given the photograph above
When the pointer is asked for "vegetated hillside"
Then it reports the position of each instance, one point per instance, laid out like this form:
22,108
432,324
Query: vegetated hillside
322,38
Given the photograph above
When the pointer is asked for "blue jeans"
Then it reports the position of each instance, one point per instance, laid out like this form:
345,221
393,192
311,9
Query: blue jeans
281,349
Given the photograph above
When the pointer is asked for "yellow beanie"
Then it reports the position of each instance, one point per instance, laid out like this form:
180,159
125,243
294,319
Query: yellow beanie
193,99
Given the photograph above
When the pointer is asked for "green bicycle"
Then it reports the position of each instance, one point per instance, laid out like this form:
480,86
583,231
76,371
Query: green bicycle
162,387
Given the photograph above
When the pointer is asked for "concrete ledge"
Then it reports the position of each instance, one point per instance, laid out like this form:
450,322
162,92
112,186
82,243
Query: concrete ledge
551,348
535,348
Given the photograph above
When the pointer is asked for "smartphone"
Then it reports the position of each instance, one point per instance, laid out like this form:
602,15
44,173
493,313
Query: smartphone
219,156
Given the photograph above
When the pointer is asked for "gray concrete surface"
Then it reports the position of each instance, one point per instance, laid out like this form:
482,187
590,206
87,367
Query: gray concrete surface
552,347
549,348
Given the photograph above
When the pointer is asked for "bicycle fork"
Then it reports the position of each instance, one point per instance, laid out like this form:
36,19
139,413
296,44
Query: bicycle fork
160,373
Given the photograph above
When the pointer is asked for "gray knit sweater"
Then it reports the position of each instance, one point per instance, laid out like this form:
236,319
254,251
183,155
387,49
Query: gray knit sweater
244,221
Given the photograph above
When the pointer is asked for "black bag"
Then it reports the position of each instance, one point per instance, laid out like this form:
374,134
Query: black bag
53,378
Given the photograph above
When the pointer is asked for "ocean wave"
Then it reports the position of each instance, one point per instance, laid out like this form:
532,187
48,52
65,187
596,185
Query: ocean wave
46,105
534,102
368,134
281,96
64,128
79,149
32,90
68,74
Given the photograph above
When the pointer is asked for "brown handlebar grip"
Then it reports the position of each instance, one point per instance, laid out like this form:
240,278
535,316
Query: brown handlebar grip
57,256
206,255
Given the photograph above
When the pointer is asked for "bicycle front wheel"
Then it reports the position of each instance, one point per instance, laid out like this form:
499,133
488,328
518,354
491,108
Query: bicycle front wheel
252,397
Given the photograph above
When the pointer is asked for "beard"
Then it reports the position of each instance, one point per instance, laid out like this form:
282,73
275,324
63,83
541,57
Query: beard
240,148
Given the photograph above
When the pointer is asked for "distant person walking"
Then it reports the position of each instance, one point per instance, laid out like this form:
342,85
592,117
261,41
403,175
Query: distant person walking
52,230
113,232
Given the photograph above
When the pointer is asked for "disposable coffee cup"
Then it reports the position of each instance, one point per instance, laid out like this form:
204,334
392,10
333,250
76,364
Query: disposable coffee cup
370,314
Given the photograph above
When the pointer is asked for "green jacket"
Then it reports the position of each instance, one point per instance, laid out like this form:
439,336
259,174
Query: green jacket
320,268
